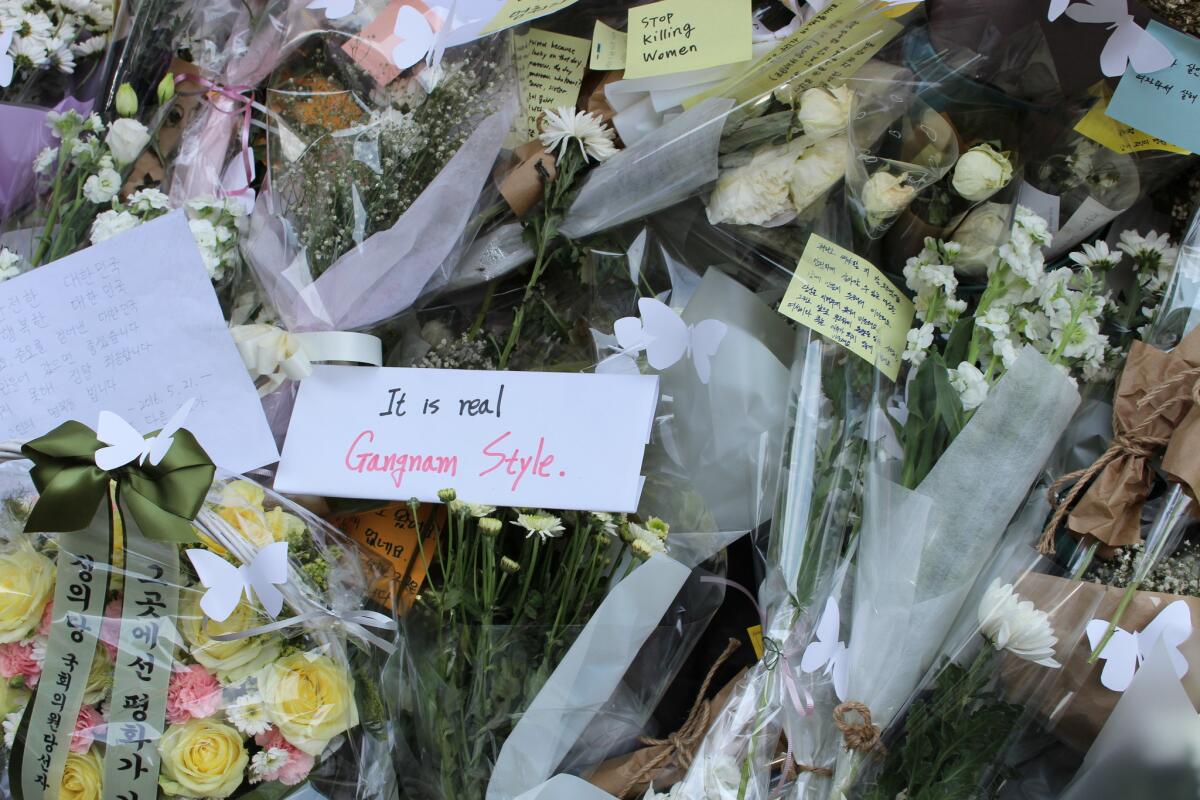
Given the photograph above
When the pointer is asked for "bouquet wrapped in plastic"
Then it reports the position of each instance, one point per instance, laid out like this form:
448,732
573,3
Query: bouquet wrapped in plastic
177,634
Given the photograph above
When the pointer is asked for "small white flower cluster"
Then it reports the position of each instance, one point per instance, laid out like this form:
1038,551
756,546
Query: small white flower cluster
10,264
52,34
215,224
1057,312
83,150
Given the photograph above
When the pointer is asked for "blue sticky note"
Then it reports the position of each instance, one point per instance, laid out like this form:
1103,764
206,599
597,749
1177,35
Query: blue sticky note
1166,103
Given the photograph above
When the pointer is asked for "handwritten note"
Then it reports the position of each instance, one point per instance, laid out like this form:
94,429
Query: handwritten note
131,325
827,50
537,439
680,35
392,532
845,298
1098,126
1166,103
515,12
550,69
608,47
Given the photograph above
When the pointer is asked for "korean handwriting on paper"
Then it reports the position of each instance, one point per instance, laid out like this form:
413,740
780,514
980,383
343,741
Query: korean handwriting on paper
845,298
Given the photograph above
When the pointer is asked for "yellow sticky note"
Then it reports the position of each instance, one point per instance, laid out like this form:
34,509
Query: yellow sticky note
1117,136
896,8
848,300
756,640
608,47
514,12
550,70
680,35
827,50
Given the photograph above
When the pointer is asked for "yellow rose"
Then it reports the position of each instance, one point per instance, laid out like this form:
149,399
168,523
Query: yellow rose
202,758
241,505
26,585
82,777
231,661
309,698
100,677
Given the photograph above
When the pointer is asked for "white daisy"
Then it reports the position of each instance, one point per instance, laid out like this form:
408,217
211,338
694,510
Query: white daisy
563,125
267,762
546,526
248,714
1096,256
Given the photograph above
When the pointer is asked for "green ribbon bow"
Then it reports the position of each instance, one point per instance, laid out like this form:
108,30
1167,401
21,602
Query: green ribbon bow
163,499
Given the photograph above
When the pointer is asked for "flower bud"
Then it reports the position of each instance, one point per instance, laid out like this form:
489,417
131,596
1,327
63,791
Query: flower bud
447,495
509,566
127,102
490,526
166,89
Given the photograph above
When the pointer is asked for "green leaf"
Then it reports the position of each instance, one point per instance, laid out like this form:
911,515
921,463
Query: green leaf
960,341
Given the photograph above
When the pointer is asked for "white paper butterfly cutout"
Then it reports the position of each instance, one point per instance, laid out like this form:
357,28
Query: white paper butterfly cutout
1126,651
226,583
126,445
1129,44
334,9
827,651
665,338
417,36
7,64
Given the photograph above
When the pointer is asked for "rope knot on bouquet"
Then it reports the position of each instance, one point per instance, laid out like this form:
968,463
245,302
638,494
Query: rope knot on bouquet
1155,407
862,736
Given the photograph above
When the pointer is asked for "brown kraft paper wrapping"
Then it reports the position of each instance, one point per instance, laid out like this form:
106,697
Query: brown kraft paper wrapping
1078,705
615,774
1154,395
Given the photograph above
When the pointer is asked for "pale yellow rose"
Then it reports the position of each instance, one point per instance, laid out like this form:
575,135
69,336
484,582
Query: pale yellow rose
231,661
241,505
82,777
100,677
26,585
310,698
202,758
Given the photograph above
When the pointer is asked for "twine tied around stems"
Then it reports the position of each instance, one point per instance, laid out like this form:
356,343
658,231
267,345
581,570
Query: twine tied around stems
680,746
864,735
1137,442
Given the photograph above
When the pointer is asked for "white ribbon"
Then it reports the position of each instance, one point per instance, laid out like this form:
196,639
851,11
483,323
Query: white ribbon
356,622
277,355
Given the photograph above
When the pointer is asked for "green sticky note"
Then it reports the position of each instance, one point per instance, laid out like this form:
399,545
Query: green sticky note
1166,103
608,47
681,35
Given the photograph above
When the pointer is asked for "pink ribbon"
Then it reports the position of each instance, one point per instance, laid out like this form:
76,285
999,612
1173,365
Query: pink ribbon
239,95
784,656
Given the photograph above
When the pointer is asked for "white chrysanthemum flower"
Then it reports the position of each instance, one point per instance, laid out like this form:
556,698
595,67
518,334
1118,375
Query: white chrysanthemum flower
564,125
545,526
918,341
606,521
650,541
45,160
248,714
1138,246
11,722
479,511
267,762
1096,256
110,223
9,264
971,385
102,187
90,46
1016,625
27,50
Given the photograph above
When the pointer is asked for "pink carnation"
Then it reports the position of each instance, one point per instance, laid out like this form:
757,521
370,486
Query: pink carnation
298,763
18,660
44,627
89,724
192,694
110,627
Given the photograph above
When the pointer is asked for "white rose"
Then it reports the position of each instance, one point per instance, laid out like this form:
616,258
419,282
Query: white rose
126,139
885,195
981,172
980,236
970,384
102,187
110,223
824,112
754,193
817,170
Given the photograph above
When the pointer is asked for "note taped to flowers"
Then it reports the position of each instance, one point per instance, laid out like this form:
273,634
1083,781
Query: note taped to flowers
568,441
846,298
